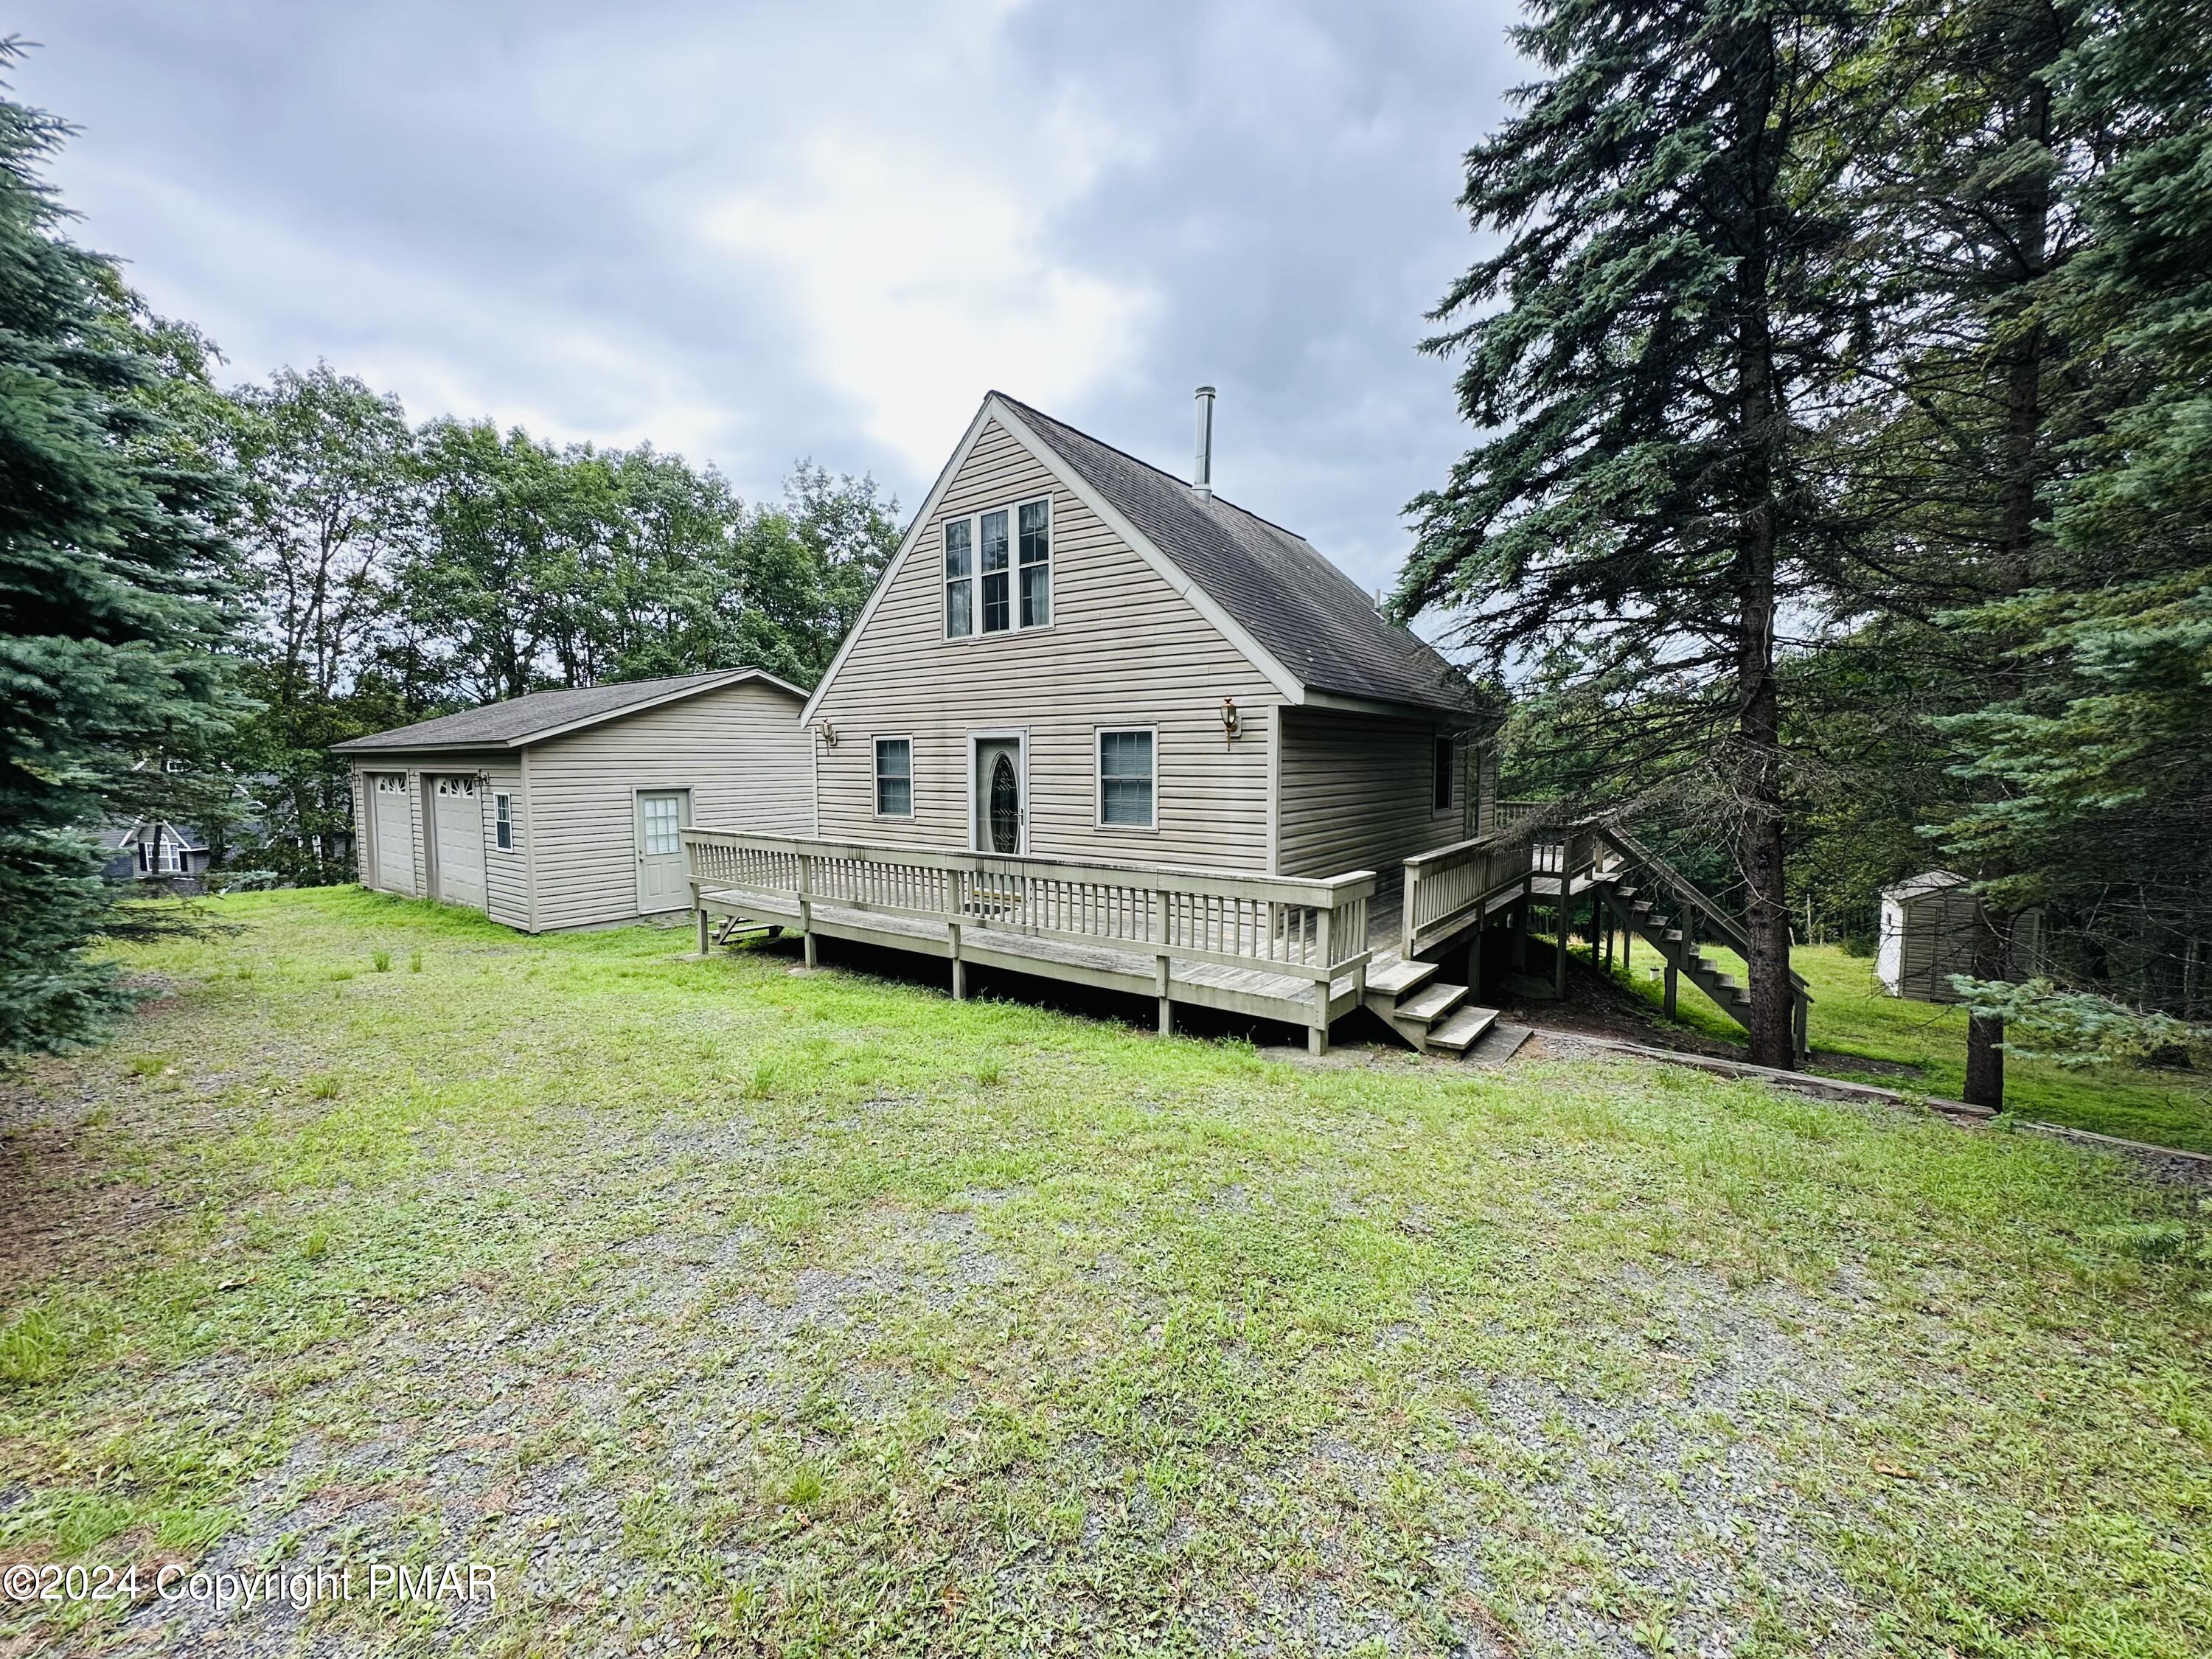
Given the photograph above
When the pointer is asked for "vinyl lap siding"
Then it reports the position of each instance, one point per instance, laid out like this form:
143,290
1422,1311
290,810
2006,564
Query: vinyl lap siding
739,751
506,874
1357,795
1125,649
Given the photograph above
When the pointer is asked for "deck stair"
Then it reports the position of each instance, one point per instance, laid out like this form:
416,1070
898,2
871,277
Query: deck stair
1429,1012
1649,898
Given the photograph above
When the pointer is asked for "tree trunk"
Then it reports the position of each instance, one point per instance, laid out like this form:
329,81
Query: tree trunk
2019,368
1759,435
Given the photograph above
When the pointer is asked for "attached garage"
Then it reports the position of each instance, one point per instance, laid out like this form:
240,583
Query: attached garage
566,809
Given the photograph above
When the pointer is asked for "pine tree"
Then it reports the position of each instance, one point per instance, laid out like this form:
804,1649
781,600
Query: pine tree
107,628
1651,504
2098,755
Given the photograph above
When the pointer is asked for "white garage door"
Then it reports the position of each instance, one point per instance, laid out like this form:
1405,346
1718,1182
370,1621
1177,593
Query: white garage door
459,814
394,849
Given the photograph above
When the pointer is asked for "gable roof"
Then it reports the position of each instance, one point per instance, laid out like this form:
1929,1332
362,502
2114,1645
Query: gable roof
1920,886
527,719
1304,624
1312,618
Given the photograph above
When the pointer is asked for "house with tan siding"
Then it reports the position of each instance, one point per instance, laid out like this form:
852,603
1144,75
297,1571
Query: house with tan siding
567,808
1075,654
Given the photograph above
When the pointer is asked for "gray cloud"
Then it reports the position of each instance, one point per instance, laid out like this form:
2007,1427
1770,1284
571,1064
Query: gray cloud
755,233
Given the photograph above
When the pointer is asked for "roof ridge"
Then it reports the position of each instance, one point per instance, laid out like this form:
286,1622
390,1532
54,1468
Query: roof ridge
1181,483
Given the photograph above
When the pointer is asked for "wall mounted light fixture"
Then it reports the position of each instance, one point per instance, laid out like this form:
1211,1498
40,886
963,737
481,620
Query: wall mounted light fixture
1231,723
829,734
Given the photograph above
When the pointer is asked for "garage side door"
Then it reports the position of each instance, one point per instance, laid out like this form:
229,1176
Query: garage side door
394,854
458,806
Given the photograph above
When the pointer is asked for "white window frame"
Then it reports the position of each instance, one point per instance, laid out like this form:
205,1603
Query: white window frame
1098,737
975,576
875,775
503,821
681,795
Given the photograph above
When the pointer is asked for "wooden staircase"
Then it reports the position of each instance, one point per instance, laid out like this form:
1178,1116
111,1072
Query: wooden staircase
1650,899
1428,1012
1642,917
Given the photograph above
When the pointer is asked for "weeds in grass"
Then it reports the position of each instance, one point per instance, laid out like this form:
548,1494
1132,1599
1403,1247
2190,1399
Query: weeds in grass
382,960
145,1064
990,1073
316,1245
801,1489
761,1085
325,1087
414,962
32,1347
341,973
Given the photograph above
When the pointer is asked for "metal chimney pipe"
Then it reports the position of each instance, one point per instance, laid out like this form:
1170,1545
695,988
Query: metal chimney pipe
1202,475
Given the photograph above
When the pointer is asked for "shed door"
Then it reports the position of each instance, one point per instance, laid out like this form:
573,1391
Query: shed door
392,853
662,883
458,807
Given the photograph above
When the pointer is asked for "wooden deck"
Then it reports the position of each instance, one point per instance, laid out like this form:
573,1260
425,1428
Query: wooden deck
1306,951
1249,991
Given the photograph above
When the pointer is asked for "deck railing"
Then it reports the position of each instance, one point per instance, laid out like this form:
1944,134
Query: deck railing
1447,888
1311,929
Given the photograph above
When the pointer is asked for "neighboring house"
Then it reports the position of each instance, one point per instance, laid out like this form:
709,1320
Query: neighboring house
147,849
1075,654
566,809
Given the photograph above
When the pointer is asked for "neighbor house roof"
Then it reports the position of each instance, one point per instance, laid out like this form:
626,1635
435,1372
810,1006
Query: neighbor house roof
1304,624
542,714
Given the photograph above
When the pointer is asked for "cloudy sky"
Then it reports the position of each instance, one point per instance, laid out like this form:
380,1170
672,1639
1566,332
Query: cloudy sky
755,232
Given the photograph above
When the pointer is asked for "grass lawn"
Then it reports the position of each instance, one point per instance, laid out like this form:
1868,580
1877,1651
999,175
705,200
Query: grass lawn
1853,1016
728,1308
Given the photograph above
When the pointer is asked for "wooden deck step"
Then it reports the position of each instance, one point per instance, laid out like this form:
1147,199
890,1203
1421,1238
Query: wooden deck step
1466,1028
1397,976
1430,1004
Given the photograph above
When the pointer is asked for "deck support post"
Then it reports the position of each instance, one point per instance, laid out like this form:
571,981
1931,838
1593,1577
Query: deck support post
1162,919
1520,925
1801,1035
959,968
1324,955
701,913
806,906
1670,1003
1565,916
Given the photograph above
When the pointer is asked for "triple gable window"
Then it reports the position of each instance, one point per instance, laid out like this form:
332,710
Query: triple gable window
997,570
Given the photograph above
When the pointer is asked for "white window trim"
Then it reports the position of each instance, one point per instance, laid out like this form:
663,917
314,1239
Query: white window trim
974,577
681,792
1098,778
504,797
875,742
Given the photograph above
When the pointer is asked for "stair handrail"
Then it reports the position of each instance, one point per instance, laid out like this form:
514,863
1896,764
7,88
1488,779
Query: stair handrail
1635,851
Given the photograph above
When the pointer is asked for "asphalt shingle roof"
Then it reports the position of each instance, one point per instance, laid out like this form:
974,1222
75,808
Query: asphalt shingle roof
1310,615
517,720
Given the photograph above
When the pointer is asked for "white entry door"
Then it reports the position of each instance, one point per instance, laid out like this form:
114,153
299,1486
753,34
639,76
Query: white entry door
663,882
459,810
392,848
1001,809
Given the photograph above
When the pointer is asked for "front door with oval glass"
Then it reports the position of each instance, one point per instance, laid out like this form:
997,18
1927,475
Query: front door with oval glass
1001,804
662,881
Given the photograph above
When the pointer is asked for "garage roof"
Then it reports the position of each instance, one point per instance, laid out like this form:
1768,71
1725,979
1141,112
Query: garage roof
522,720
